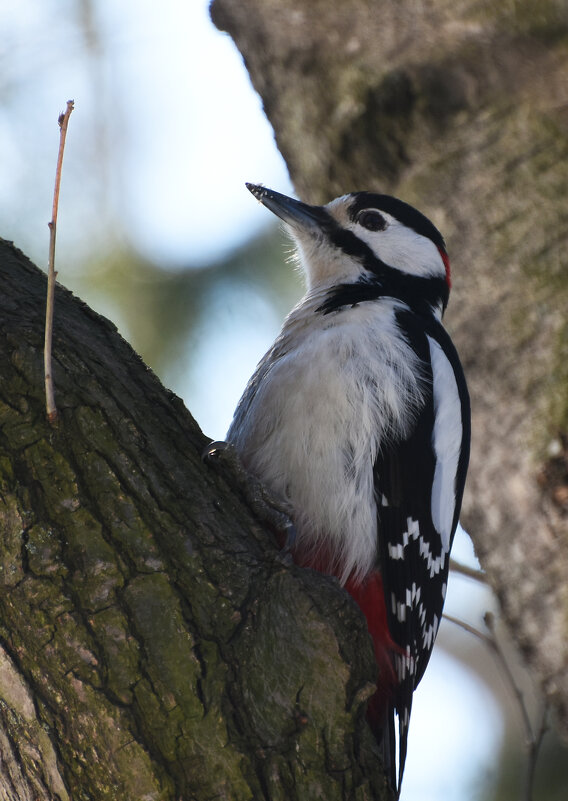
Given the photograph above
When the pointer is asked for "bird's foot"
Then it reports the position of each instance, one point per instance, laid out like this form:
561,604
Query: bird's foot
269,509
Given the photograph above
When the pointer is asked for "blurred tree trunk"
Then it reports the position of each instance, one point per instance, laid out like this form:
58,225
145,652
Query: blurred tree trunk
461,109
154,644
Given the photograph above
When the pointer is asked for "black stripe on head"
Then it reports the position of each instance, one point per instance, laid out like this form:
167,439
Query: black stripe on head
420,294
343,239
403,212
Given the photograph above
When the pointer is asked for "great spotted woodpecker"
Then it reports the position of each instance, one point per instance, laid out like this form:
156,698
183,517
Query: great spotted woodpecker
358,419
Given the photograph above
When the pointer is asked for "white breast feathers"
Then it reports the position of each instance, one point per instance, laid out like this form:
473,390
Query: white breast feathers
331,391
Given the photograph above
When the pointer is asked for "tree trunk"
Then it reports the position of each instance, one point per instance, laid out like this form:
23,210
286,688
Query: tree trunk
154,643
459,108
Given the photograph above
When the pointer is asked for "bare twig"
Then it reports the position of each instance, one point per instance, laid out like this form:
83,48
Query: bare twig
534,740
470,572
489,621
470,629
534,748
51,274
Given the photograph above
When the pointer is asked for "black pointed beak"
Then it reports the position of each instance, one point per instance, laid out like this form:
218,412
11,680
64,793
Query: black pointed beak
293,212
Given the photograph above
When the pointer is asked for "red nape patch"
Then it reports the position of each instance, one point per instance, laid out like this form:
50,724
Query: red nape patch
369,596
446,260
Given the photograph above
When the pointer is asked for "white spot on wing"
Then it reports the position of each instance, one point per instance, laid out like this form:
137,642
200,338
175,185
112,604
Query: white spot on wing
434,564
413,531
396,551
405,664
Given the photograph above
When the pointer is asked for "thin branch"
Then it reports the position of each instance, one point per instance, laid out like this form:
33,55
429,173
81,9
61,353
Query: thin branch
470,629
470,572
51,273
489,621
534,741
534,748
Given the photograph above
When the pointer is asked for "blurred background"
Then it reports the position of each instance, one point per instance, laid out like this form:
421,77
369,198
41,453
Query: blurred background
157,232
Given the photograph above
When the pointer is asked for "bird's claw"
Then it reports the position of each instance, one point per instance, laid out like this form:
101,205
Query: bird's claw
266,507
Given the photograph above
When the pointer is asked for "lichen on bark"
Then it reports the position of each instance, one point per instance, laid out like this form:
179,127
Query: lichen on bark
141,604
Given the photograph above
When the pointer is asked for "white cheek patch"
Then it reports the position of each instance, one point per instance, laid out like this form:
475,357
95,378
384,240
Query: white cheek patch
402,248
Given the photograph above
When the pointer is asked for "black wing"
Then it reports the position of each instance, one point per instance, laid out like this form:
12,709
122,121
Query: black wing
419,485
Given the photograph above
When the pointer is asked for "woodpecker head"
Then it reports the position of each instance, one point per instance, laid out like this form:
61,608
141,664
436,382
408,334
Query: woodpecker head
374,242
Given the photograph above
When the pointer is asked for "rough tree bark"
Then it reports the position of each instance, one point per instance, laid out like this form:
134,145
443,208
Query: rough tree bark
459,108
154,643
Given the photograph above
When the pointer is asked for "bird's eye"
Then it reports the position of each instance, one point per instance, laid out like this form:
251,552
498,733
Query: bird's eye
372,220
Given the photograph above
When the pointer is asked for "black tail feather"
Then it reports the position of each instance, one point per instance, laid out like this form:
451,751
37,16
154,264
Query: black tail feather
389,751
385,735
402,747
